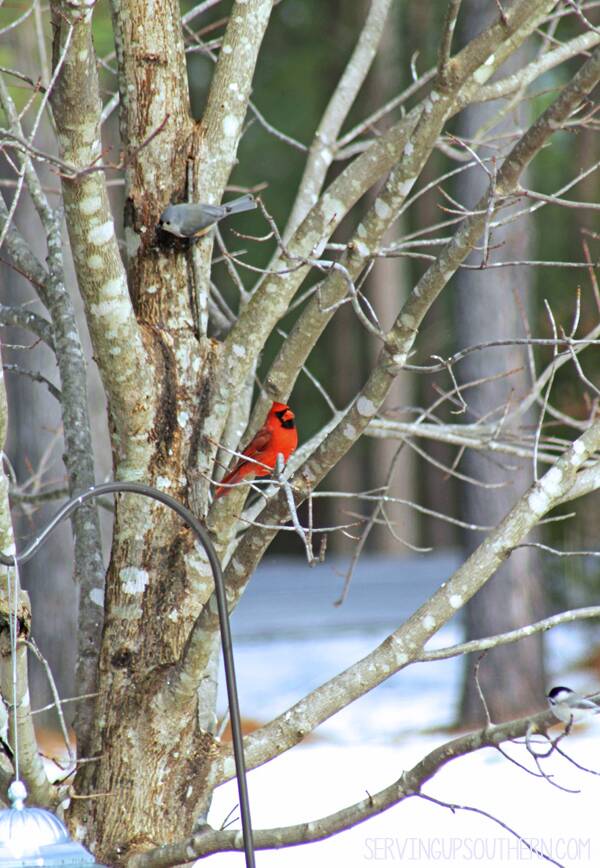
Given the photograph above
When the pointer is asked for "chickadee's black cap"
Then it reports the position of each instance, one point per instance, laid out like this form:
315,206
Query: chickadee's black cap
556,691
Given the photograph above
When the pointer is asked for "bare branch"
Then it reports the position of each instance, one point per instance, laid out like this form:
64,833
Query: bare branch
406,644
55,695
321,151
446,40
408,785
27,319
512,635
453,807
37,377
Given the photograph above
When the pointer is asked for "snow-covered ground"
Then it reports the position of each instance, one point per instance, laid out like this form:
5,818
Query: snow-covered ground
316,780
366,747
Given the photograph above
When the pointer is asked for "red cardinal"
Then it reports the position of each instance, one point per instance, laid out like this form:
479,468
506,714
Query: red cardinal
277,435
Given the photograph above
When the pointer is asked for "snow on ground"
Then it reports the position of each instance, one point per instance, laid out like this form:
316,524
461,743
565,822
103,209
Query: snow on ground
316,780
366,747
319,779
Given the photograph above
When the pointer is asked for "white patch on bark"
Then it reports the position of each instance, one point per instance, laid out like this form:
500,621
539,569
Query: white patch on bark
239,350
551,482
97,597
227,49
578,453
455,601
482,74
228,767
428,622
134,580
538,501
90,204
230,126
382,209
113,288
95,262
362,248
102,234
365,407
117,311
349,432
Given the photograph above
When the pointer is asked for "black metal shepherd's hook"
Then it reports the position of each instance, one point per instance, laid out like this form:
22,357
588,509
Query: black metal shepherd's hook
226,643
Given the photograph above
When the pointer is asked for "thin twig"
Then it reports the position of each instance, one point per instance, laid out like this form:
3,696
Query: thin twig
447,35
470,808
54,690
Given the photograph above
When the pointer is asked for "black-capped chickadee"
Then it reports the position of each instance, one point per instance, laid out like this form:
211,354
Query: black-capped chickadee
569,706
194,220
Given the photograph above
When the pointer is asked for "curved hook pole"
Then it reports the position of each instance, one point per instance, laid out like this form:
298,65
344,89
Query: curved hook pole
226,643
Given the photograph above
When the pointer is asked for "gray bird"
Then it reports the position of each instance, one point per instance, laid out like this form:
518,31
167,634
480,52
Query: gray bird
194,221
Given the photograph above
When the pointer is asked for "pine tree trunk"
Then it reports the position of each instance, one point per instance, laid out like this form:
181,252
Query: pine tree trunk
511,677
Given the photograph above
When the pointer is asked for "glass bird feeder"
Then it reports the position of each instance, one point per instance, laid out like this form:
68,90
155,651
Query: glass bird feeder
31,837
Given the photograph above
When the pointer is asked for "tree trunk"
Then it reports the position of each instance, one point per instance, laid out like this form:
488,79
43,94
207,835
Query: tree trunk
147,323
388,285
158,580
512,676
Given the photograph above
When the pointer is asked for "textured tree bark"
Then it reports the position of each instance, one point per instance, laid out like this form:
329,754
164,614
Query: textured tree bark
157,580
147,320
63,339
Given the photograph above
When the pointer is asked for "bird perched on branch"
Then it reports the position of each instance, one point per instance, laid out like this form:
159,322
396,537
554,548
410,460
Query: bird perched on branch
277,436
571,707
194,220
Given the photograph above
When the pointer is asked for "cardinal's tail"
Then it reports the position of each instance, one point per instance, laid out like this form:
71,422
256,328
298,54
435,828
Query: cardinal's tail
232,477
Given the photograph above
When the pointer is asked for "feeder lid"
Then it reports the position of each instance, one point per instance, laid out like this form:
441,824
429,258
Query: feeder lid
31,837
